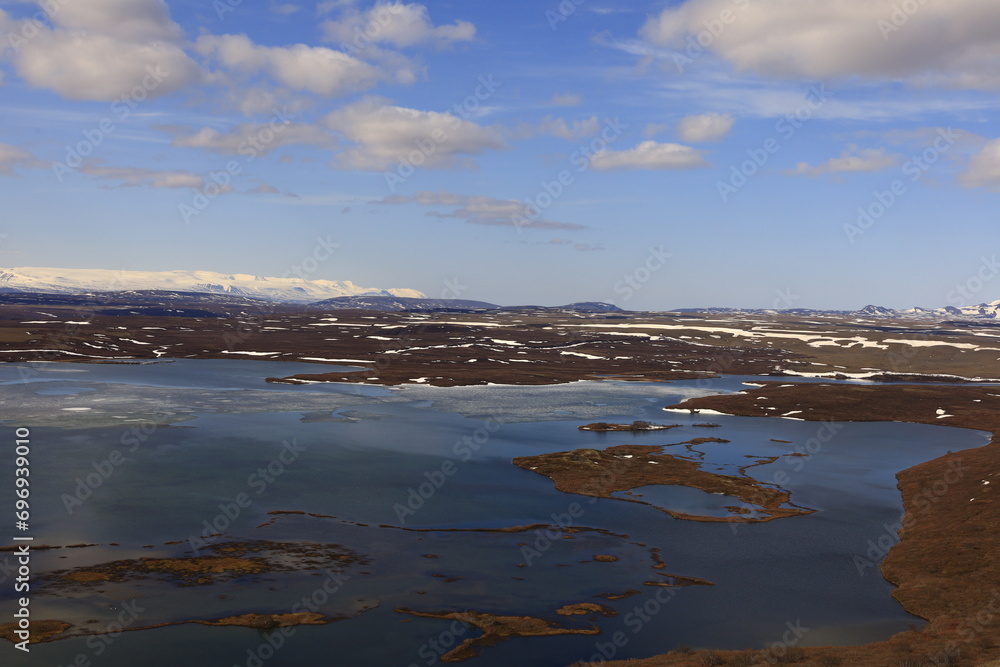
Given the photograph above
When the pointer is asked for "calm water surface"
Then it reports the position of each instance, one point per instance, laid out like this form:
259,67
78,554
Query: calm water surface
194,433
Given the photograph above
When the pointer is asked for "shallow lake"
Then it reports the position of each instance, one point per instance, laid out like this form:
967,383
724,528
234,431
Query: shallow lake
195,434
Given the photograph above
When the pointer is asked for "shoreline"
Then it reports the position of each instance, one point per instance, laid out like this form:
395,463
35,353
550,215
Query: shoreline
941,564
944,565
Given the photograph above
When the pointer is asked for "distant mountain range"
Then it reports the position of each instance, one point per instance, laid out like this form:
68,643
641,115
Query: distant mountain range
292,290
174,291
990,311
391,303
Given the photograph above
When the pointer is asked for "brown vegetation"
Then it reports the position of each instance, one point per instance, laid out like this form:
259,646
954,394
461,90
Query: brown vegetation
600,473
945,567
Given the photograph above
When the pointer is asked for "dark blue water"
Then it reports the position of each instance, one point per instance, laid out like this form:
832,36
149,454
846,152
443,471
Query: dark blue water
363,456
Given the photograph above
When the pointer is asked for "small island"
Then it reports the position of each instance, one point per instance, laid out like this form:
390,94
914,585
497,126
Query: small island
497,628
600,474
634,426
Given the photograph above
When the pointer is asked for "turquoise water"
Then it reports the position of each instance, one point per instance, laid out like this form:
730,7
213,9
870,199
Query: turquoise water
193,434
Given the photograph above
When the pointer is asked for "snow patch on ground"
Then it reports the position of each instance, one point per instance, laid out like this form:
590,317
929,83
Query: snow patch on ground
251,354
937,343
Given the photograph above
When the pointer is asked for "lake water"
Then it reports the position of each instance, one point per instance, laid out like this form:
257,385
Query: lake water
193,434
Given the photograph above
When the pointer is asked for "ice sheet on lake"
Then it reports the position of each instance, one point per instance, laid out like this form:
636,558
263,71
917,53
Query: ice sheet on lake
107,402
587,399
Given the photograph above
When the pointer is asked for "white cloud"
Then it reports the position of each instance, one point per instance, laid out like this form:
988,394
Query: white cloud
582,247
479,210
263,189
983,170
104,49
127,20
399,24
385,134
429,198
852,160
12,156
653,129
132,177
252,100
607,11
285,9
955,43
315,69
97,67
566,100
328,6
750,96
650,155
559,127
705,127
248,137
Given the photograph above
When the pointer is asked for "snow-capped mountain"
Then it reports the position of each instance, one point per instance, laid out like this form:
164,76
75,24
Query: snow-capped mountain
987,311
396,304
984,311
77,281
876,311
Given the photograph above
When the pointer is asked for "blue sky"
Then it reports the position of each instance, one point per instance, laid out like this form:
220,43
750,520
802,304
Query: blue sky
774,153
